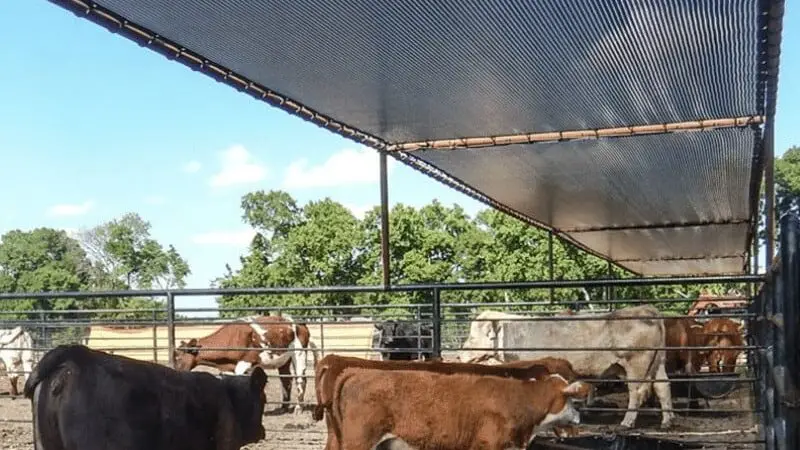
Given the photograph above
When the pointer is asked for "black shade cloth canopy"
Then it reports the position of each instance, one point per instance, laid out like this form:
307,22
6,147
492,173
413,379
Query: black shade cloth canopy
512,102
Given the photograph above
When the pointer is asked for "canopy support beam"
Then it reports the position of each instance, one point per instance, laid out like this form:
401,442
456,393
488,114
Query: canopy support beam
572,135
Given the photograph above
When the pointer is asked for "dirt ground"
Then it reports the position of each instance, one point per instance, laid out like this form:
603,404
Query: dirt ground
287,431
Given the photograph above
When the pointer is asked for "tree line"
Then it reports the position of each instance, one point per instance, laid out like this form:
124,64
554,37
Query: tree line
321,243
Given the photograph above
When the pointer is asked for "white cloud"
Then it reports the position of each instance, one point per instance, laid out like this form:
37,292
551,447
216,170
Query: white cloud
238,167
192,167
347,167
67,209
231,237
155,200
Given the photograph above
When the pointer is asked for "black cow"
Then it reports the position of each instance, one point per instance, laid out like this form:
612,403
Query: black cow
409,336
89,400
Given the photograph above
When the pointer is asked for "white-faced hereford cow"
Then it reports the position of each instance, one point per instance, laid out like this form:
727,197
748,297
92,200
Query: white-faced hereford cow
429,410
16,355
277,337
281,335
614,331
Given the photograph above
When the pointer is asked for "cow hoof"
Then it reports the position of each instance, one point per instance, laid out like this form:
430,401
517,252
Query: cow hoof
666,425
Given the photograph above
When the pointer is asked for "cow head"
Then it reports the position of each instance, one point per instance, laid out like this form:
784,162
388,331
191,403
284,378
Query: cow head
406,336
246,394
562,410
186,355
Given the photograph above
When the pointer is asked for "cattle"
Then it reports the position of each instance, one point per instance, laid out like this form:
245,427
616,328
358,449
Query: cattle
88,399
632,327
282,335
723,333
686,333
16,354
274,336
331,366
429,410
414,337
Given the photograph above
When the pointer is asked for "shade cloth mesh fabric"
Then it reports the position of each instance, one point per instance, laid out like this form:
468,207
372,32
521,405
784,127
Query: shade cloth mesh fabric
442,69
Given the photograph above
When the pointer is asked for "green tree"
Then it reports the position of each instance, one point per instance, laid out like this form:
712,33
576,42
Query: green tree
124,256
316,245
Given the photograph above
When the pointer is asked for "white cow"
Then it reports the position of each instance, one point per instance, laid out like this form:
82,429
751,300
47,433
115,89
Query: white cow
16,354
493,330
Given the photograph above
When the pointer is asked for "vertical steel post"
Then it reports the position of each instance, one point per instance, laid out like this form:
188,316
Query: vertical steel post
786,356
171,328
769,190
609,288
155,336
551,265
384,185
437,323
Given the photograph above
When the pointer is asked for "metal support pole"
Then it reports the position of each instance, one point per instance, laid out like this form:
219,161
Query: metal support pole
384,220
756,252
155,336
769,190
437,323
786,354
610,289
551,266
171,329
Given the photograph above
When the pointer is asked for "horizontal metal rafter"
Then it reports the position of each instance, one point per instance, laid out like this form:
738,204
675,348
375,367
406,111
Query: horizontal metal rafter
656,226
572,135
681,258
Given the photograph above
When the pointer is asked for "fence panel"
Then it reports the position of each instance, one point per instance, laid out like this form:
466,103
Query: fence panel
437,324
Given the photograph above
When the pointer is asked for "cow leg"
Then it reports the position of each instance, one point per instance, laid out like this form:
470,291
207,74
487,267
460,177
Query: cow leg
298,364
286,385
13,376
14,380
664,394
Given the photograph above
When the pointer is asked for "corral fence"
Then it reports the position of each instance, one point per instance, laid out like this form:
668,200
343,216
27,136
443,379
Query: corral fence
765,394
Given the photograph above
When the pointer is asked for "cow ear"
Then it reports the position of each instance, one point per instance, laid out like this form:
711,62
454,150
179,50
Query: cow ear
379,326
192,343
258,379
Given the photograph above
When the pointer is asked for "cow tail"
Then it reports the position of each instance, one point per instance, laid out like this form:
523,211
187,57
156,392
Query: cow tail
319,385
49,363
314,350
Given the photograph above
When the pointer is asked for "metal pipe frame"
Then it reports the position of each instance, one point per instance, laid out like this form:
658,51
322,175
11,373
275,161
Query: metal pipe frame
438,315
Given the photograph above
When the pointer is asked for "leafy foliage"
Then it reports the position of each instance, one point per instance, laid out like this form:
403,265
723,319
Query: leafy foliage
118,255
321,243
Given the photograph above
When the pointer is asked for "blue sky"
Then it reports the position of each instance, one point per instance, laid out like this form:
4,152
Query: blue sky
93,126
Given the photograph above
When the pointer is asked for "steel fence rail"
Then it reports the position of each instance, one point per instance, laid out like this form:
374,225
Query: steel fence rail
153,333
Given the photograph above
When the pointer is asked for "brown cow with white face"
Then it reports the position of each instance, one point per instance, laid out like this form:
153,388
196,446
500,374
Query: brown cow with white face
723,333
429,410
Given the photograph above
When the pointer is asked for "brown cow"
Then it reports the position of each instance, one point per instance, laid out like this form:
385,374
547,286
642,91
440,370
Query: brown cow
282,335
331,367
429,410
241,337
722,333
686,333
